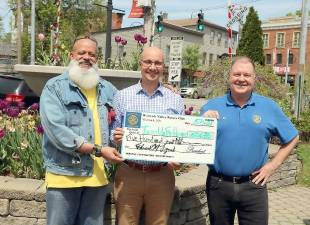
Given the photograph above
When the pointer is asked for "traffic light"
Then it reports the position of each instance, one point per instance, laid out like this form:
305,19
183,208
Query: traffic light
159,24
200,22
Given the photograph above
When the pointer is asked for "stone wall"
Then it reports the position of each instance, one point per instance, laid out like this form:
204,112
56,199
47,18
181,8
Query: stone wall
22,200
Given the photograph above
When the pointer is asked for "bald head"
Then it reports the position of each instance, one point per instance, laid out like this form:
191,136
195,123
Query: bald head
152,51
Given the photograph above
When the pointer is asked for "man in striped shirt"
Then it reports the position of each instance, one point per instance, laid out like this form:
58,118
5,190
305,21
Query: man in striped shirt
145,183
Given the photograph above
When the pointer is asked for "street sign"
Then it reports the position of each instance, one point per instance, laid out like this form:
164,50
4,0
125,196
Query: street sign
237,15
175,68
175,64
176,45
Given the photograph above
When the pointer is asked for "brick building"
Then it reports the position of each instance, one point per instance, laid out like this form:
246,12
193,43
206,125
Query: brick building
281,38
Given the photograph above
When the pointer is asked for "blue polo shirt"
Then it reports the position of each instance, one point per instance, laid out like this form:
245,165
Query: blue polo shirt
243,133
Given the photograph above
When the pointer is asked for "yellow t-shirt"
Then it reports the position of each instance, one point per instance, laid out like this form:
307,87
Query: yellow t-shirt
99,177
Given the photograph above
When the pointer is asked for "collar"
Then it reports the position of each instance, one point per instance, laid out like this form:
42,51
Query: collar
139,89
231,102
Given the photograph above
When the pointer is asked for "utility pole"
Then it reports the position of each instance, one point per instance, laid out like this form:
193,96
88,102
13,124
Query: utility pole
286,67
299,81
19,32
107,54
149,22
33,23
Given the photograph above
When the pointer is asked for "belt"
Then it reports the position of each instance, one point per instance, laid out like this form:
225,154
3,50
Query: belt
145,168
235,180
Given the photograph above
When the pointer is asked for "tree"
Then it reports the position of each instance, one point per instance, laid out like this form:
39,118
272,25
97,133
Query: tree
191,58
75,19
251,43
1,27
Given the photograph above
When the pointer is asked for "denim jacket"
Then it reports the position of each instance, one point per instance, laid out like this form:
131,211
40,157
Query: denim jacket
68,122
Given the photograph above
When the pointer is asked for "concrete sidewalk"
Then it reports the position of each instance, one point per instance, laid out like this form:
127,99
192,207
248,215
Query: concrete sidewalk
289,206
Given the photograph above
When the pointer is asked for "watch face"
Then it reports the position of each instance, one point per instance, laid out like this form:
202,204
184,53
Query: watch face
97,150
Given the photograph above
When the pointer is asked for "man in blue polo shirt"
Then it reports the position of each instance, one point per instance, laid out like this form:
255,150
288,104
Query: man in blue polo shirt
246,121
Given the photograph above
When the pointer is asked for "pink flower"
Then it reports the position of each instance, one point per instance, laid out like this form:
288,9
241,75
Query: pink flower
191,108
144,40
34,106
40,129
2,133
187,112
12,111
124,42
41,37
118,39
138,37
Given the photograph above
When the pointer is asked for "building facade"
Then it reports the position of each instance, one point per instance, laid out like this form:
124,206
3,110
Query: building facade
212,42
281,37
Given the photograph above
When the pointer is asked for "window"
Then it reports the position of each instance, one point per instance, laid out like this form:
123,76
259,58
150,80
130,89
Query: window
210,59
279,58
280,40
296,40
212,37
204,58
226,43
265,40
268,59
290,58
219,39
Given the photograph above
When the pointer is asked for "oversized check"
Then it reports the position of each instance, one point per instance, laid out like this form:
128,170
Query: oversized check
165,138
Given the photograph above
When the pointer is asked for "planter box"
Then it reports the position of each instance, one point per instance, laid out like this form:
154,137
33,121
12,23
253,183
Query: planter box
36,76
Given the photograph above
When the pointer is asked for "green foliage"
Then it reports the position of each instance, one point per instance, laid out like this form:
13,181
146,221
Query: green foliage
26,45
74,21
303,126
267,83
1,27
251,43
303,152
192,57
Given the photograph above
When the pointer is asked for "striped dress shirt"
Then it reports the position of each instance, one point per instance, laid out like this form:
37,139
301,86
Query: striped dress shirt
135,99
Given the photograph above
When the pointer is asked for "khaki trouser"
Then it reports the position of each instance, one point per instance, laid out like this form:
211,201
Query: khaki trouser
153,190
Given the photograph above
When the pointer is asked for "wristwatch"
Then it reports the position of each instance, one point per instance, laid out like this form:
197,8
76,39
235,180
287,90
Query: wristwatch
96,150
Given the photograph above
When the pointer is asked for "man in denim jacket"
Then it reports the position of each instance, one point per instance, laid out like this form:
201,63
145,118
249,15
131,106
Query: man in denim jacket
74,114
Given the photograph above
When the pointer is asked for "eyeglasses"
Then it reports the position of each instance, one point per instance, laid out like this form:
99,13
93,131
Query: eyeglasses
149,63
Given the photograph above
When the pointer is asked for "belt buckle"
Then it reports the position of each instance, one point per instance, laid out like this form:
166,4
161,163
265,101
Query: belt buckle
235,180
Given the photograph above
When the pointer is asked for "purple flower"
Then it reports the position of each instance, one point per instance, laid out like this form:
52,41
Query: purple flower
124,42
191,108
118,39
138,37
34,106
3,104
143,40
2,133
20,105
187,112
40,129
12,111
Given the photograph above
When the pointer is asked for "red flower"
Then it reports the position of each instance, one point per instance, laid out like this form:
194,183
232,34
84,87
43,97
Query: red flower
111,116
118,39
2,133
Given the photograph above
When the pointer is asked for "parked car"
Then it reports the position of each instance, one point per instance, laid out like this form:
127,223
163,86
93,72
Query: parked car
14,88
194,90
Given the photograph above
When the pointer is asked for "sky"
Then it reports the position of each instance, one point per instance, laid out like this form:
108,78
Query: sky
214,11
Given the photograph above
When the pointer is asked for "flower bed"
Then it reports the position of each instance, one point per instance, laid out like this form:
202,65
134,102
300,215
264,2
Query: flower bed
20,140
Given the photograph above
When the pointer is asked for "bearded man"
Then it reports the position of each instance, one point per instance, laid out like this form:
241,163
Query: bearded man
74,114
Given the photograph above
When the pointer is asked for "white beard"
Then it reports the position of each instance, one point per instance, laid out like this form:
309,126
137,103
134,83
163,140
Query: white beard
84,78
